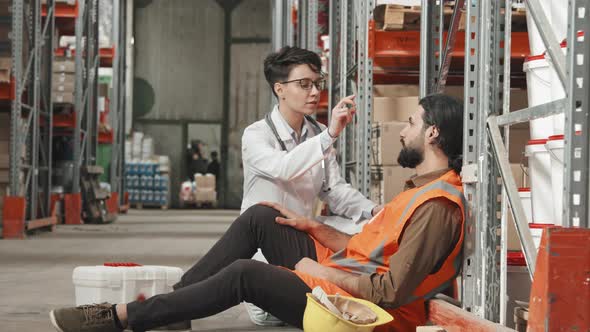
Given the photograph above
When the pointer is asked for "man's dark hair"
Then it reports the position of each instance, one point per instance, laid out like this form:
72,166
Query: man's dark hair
446,113
213,154
278,65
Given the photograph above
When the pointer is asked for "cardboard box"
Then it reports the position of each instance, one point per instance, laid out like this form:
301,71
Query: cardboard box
519,137
395,102
4,161
205,195
64,65
63,79
4,177
63,97
387,109
385,143
5,69
205,181
518,97
4,145
64,87
388,182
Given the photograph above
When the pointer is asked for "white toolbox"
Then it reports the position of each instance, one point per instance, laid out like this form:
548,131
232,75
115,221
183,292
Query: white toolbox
122,282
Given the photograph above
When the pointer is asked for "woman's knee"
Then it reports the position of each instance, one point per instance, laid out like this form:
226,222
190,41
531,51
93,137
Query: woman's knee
259,215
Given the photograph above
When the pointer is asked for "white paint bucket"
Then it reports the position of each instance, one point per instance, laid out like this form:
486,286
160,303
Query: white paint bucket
535,42
537,233
538,78
540,176
525,198
559,18
555,146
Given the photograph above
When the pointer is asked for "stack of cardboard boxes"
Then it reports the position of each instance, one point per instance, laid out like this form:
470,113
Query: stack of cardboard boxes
205,188
393,105
63,80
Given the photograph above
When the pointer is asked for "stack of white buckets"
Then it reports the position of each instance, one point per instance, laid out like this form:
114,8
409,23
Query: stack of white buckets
545,149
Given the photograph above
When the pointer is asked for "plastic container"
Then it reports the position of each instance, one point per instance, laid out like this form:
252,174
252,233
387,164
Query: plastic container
535,41
540,176
525,198
559,18
538,78
555,146
537,232
122,282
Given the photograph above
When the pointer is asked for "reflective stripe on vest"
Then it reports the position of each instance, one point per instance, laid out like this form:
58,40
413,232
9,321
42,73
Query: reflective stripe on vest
376,258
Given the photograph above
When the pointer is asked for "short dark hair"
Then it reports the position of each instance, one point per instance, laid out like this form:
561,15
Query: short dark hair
214,154
278,65
446,113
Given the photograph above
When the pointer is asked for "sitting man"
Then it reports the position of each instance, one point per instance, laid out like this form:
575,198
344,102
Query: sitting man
406,254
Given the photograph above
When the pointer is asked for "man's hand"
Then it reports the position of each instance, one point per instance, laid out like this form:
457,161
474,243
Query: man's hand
311,267
292,219
342,115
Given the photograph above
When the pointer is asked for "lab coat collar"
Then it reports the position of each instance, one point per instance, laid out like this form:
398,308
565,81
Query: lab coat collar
284,130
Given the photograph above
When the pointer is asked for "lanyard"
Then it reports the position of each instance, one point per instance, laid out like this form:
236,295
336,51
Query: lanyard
318,129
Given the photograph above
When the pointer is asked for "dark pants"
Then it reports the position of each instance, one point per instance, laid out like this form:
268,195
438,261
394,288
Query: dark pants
226,276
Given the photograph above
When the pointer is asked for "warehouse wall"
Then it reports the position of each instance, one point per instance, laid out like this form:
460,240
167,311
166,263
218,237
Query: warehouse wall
249,93
179,75
179,52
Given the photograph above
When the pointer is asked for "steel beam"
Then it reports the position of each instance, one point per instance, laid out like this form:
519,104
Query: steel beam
532,113
576,195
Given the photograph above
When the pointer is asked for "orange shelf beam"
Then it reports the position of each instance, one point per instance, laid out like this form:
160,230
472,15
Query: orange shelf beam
62,10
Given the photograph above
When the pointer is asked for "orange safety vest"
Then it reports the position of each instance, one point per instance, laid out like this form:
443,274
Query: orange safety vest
369,251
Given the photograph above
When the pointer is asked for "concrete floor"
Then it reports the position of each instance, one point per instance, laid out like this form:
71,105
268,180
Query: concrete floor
36,274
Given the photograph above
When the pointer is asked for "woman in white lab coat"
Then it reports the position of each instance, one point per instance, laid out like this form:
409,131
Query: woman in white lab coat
288,157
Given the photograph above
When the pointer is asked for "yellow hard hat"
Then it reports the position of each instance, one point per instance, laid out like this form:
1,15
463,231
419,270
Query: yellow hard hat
318,318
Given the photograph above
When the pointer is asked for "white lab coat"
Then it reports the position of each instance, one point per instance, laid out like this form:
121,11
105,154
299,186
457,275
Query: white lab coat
294,178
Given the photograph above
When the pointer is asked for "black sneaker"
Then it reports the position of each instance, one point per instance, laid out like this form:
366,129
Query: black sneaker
85,318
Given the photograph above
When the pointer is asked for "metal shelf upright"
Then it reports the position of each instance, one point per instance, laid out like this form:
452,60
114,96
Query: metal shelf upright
117,175
29,205
351,72
85,133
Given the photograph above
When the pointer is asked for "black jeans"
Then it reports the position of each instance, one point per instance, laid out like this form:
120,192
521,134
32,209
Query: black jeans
226,276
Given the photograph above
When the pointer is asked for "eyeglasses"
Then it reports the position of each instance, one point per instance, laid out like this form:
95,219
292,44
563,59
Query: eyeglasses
306,83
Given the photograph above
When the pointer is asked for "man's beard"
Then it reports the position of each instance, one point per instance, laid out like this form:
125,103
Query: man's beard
410,157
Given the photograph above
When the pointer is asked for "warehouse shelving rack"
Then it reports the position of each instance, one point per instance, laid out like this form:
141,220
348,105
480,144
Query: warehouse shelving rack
486,129
29,204
351,72
487,80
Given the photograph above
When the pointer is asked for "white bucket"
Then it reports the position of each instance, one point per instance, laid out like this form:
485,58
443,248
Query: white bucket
536,43
537,233
525,198
555,145
540,176
538,78
559,18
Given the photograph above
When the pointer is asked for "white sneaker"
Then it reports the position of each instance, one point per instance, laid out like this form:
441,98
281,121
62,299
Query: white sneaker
261,317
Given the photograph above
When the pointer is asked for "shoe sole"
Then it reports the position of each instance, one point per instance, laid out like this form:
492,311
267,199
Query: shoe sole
54,322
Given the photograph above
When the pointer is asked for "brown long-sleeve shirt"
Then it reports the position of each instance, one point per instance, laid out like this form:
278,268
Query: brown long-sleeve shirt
428,238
